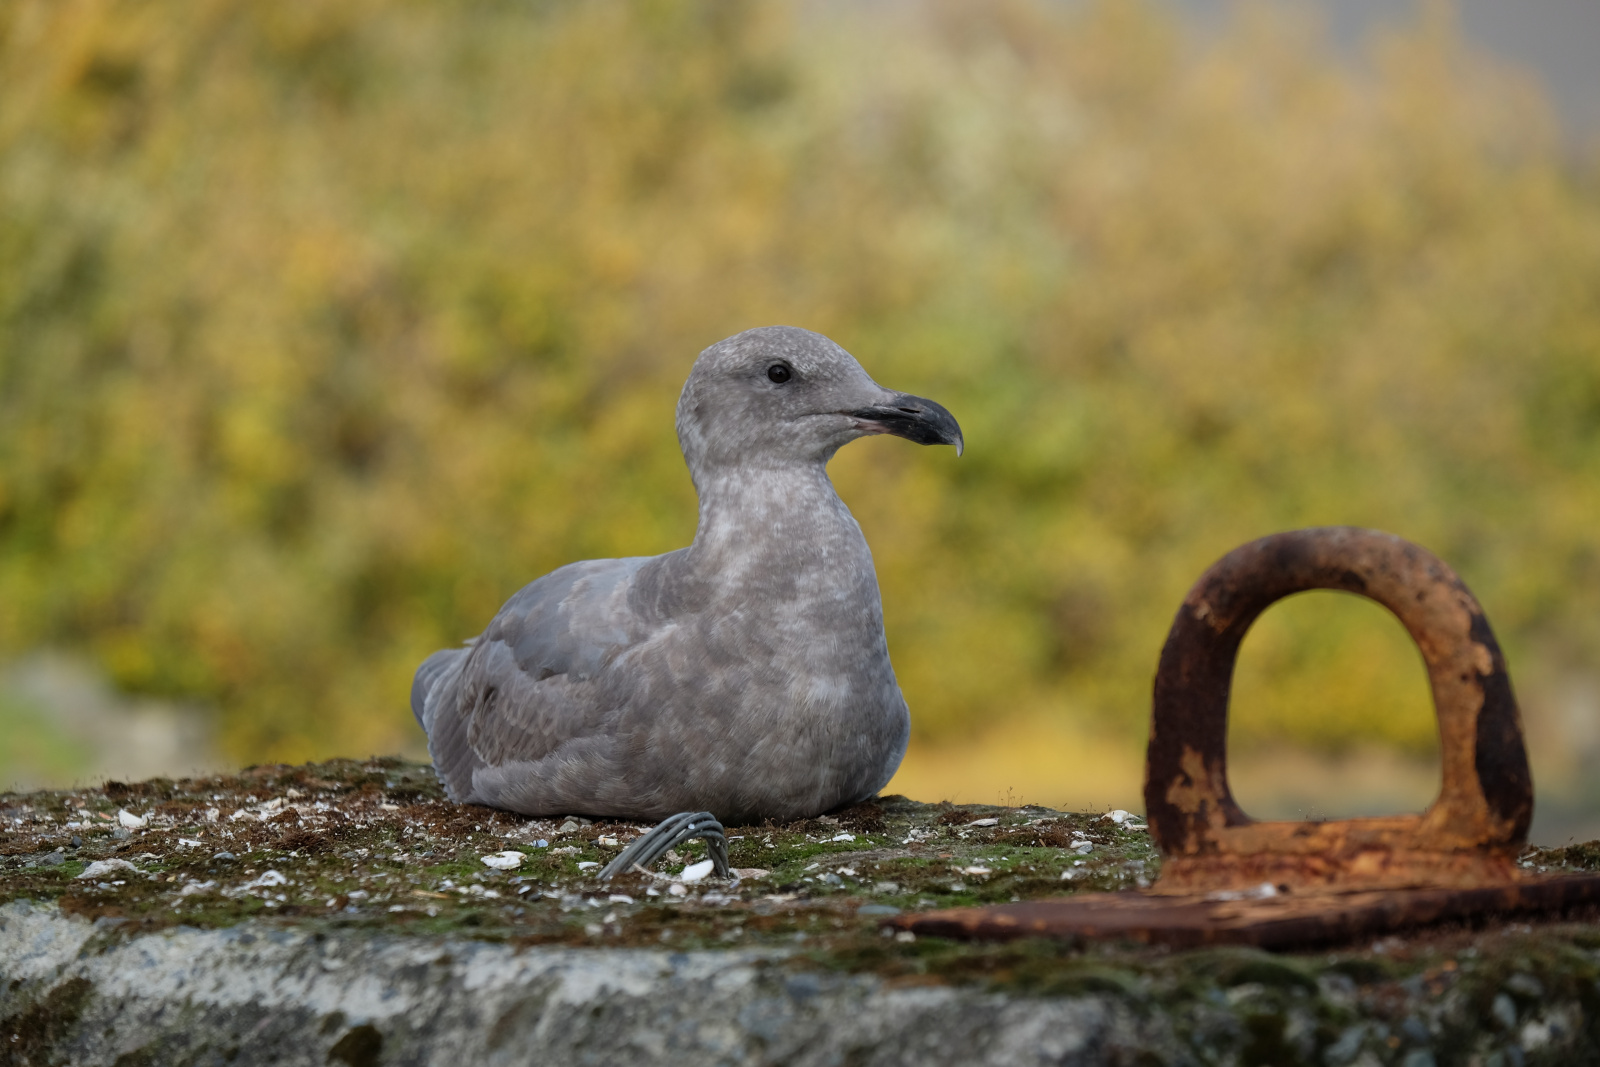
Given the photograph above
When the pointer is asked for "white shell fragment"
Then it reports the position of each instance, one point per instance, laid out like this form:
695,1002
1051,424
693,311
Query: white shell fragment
842,837
587,865
696,871
268,879
984,822
130,820
100,868
508,860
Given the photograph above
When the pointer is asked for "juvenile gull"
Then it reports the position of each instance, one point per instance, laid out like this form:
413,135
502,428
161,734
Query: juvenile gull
745,675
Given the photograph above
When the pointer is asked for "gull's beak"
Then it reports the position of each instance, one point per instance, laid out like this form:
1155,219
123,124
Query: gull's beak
912,417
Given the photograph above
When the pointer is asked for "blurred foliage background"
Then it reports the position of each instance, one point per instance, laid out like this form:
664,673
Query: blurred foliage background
325,327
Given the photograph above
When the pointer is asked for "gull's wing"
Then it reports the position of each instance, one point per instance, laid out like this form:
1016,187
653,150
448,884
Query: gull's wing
527,686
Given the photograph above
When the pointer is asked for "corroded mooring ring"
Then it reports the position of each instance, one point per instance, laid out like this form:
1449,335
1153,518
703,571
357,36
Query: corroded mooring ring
1472,831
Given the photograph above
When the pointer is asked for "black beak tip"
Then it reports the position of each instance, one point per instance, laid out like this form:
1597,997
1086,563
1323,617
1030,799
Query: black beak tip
916,419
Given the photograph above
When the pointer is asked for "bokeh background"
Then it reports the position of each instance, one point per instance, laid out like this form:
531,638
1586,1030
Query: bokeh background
326,326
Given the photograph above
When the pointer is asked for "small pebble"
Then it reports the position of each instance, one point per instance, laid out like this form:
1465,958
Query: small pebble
101,868
677,889
877,909
53,859
1525,985
1347,1047
1415,1030
222,856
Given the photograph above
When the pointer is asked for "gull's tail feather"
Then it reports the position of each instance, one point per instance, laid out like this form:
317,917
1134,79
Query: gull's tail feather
436,702
442,666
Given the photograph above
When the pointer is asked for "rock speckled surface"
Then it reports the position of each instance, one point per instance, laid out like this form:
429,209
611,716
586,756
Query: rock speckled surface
341,913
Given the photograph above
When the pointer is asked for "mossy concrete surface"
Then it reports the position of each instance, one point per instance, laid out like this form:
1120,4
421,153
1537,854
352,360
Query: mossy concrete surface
342,913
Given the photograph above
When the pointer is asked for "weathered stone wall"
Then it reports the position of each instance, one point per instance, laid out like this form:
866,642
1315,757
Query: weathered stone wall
255,995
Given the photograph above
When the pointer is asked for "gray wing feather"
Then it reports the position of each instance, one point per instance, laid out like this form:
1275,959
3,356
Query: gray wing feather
526,687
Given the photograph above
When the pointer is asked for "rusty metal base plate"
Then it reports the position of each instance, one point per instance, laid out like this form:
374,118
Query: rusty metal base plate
1283,921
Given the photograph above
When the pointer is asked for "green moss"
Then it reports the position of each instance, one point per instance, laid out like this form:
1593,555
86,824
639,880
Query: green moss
376,844
36,1033
1233,966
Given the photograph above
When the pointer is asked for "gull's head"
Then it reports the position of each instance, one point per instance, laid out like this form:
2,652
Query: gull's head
779,396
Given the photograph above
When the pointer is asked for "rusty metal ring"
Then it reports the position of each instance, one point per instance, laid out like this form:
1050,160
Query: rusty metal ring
1480,818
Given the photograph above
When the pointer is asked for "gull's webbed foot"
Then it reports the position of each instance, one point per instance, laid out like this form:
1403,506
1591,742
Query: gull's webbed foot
654,843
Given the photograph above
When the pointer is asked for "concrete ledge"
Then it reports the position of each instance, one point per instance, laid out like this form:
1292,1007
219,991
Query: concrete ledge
256,995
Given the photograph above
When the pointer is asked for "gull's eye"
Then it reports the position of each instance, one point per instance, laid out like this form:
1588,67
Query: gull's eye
779,373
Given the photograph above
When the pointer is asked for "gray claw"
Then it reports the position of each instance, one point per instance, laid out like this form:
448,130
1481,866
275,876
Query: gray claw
654,843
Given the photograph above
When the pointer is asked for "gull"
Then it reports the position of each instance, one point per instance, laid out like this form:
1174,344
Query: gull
743,678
